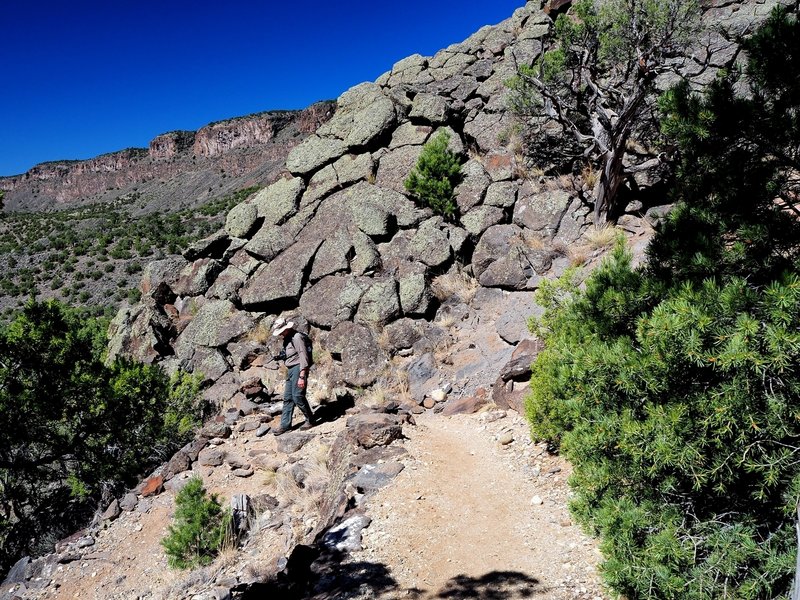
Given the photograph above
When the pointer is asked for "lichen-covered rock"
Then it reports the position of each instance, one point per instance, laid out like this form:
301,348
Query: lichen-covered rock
210,363
409,134
495,243
542,212
430,107
364,196
282,278
401,334
479,219
470,192
278,201
332,300
415,294
395,166
161,272
314,152
357,356
380,303
215,324
363,114
333,256
195,278
241,219
366,259
502,194
429,244
227,284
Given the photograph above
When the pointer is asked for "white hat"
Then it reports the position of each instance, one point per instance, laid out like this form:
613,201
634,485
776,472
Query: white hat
280,325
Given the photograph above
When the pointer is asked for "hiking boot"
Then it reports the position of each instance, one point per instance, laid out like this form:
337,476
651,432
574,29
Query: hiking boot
279,431
307,425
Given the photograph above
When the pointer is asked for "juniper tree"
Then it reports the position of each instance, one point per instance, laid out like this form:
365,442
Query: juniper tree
435,176
589,95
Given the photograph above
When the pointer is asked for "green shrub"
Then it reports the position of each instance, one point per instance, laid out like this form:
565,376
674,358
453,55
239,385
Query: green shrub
200,528
435,176
75,427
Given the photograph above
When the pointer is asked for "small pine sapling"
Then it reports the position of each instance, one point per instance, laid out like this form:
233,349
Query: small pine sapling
435,176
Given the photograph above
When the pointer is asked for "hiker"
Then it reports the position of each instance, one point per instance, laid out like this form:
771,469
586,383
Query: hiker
296,357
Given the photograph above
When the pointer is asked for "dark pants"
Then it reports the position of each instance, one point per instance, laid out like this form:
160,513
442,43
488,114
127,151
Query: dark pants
294,395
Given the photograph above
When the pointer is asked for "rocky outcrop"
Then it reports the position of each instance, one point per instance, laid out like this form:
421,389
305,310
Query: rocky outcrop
338,237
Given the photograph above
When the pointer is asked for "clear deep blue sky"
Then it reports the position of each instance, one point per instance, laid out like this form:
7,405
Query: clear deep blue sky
85,77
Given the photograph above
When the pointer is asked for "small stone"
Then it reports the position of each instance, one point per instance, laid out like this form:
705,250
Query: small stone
439,395
243,472
536,501
263,430
506,438
429,402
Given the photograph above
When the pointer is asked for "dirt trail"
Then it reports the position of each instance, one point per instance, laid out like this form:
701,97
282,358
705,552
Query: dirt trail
471,517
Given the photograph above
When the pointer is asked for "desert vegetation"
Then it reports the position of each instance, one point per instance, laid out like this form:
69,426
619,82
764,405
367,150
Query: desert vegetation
58,254
673,388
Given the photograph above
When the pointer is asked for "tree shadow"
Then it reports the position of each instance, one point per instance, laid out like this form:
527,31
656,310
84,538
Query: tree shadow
496,585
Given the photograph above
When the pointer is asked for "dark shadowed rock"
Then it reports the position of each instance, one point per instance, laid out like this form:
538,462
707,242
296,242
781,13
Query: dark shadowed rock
402,333
375,429
420,376
179,462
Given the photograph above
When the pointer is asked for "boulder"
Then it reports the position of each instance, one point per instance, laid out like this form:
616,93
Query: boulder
401,334
371,478
479,219
421,372
356,354
278,201
291,442
196,277
394,167
466,404
241,219
380,303
375,429
364,113
430,245
332,300
430,107
314,152
472,189
215,324
282,278
541,212
409,134
415,294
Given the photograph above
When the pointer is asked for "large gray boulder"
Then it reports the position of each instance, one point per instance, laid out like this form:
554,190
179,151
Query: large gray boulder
332,300
281,279
278,201
314,152
380,303
363,114
357,357
215,324
541,212
241,219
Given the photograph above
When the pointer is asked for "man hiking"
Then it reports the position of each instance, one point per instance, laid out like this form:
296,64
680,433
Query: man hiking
296,357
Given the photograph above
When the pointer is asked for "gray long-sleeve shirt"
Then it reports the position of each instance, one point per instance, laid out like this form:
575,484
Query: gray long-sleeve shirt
296,353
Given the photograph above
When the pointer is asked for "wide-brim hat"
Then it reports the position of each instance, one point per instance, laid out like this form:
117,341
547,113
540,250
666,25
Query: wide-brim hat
280,325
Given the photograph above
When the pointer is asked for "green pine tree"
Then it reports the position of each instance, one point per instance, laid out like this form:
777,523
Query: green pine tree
200,528
434,178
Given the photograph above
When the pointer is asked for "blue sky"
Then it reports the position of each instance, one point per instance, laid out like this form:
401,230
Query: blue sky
82,78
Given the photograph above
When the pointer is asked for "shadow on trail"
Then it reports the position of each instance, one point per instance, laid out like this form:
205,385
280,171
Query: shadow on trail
333,580
331,411
496,585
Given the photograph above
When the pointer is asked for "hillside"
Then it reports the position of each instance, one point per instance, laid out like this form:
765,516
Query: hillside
81,231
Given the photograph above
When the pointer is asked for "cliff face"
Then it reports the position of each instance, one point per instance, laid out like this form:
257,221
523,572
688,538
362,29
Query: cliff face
215,160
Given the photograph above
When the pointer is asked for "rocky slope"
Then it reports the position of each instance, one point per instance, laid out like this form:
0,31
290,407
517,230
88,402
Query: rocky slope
410,313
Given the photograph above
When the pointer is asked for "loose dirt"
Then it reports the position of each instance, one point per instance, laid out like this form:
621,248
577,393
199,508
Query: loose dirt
473,517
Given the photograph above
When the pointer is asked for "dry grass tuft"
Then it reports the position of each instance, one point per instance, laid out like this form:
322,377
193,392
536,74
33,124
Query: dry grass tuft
601,236
578,255
261,333
590,177
455,283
